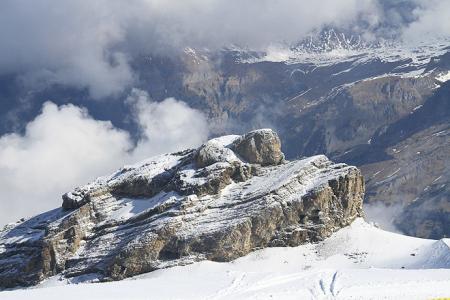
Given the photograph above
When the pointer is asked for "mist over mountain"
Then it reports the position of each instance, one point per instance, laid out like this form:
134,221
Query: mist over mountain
340,78
93,44
225,149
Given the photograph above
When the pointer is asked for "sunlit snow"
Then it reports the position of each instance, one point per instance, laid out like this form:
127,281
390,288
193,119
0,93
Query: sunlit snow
358,262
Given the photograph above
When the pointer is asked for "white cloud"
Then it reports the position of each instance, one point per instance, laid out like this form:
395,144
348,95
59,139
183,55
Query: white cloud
167,126
88,44
65,147
383,215
432,21
70,42
254,23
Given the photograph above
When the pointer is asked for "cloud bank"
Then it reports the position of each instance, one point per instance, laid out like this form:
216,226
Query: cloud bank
64,147
89,44
432,19
70,42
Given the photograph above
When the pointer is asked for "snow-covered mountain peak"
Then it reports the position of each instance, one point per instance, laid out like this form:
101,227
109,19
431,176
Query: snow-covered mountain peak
331,40
332,47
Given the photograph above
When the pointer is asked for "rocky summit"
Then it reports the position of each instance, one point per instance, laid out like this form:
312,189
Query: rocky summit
231,196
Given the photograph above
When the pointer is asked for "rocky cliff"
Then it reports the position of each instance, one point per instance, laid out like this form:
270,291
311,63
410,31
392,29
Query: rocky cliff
221,201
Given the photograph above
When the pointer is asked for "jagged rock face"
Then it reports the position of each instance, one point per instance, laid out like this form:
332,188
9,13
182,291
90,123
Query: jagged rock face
261,147
179,208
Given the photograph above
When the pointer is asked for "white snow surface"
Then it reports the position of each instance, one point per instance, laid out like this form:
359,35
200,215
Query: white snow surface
416,54
225,140
444,77
357,262
335,48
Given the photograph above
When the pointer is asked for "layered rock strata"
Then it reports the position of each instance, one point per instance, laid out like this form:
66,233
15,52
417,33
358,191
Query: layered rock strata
231,196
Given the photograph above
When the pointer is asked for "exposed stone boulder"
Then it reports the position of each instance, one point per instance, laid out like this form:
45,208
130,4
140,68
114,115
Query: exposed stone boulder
211,179
75,199
260,147
184,207
214,151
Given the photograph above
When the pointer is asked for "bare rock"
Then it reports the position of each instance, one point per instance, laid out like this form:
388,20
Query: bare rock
213,152
260,147
75,199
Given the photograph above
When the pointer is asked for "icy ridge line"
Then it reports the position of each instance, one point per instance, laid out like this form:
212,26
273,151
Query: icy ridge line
231,196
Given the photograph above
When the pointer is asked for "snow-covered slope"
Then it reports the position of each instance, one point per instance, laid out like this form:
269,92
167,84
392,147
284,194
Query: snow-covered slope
332,47
358,262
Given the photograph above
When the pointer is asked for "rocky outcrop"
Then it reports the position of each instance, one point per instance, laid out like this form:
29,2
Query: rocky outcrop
210,203
260,147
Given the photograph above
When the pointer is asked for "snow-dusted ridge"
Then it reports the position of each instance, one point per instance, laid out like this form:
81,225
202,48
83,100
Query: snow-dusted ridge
327,51
330,47
227,198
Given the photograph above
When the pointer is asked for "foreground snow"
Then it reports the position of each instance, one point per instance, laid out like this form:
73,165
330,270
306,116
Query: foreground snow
359,262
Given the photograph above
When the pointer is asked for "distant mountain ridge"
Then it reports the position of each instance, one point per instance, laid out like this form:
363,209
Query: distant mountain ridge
358,103
353,100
